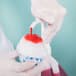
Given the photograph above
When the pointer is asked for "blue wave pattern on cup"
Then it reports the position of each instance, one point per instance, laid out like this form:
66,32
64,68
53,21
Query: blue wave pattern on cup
29,58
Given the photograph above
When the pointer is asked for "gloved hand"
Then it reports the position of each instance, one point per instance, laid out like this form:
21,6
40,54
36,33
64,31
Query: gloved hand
10,67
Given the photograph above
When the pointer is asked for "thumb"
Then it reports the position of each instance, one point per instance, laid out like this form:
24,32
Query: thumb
21,67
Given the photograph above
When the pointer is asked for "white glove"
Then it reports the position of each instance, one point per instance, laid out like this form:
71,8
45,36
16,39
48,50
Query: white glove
39,68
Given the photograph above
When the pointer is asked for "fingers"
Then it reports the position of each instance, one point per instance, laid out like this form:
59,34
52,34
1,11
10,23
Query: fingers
19,67
39,68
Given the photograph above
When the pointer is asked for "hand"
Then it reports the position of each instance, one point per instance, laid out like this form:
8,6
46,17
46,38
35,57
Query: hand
10,67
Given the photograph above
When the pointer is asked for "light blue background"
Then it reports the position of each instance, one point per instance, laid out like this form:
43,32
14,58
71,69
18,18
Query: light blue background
15,17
